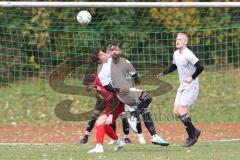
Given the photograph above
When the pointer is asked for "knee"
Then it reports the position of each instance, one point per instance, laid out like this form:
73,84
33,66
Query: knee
175,111
95,114
147,98
146,116
123,116
182,110
100,121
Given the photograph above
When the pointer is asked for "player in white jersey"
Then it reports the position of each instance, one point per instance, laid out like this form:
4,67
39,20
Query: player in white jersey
189,67
128,71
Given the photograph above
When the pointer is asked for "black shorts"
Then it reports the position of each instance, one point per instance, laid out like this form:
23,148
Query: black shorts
100,104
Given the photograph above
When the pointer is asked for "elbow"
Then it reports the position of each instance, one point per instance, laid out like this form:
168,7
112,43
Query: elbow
202,68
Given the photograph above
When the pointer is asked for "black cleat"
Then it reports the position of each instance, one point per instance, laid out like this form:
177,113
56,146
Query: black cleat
197,133
84,140
192,141
127,140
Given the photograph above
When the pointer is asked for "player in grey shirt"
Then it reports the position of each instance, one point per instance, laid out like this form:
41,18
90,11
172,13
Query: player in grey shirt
128,71
189,67
112,80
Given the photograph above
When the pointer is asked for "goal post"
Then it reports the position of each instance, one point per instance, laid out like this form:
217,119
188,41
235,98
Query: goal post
42,41
119,4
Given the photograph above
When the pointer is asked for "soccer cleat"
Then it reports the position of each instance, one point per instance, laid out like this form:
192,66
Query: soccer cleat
197,133
84,139
189,142
159,141
98,149
127,140
119,144
111,141
141,139
192,141
133,123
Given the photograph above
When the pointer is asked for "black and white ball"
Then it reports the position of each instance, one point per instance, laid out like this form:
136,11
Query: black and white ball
84,17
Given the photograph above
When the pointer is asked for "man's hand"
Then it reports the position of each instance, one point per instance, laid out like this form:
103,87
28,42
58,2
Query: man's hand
123,90
109,119
189,79
160,75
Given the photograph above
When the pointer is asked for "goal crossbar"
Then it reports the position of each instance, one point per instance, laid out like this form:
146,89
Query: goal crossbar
24,4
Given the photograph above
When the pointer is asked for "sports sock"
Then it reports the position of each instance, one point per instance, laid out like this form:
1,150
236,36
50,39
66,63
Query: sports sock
186,120
125,126
110,132
90,125
113,125
139,126
100,133
149,123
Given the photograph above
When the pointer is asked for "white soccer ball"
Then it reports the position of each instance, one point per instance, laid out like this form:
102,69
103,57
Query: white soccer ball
84,17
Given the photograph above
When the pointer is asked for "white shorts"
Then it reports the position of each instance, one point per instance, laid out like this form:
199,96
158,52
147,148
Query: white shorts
131,98
186,97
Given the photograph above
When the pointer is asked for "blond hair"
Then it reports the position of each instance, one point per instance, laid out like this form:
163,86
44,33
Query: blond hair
185,36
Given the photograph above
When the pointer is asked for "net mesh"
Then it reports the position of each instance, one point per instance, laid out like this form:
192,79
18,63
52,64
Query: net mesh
39,43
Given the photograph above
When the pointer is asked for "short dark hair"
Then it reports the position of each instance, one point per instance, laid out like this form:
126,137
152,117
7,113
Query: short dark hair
94,56
88,78
113,43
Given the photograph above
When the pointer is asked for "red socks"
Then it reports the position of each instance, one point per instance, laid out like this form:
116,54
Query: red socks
100,133
110,132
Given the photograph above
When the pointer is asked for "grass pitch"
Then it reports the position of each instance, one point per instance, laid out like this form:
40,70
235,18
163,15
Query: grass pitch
200,151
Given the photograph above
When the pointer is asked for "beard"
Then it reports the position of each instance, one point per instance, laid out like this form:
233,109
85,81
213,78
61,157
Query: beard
116,57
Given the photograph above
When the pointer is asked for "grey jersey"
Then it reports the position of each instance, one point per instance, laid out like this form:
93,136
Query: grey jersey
185,65
125,67
111,73
120,72
121,79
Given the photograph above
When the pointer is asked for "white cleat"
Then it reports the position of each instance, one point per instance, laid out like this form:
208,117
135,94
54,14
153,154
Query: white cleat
133,123
111,141
98,149
159,141
119,144
141,139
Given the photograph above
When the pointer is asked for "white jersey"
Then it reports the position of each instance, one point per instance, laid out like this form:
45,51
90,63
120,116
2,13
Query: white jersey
185,62
104,73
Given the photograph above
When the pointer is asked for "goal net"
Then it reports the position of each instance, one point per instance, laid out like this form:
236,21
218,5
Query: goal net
41,44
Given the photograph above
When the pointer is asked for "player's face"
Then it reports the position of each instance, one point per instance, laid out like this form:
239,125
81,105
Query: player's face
103,56
115,52
181,41
90,87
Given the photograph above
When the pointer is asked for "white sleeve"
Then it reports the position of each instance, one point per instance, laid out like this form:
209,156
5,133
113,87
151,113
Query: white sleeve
173,61
104,75
192,58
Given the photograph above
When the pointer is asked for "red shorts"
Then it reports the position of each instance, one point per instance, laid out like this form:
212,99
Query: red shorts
117,112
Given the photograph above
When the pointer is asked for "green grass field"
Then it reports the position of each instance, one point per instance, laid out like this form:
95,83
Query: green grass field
33,101
201,151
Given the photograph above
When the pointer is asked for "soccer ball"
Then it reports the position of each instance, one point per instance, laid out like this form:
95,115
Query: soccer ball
84,17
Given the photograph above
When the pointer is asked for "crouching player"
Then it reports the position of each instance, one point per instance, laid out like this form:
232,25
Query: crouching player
112,109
